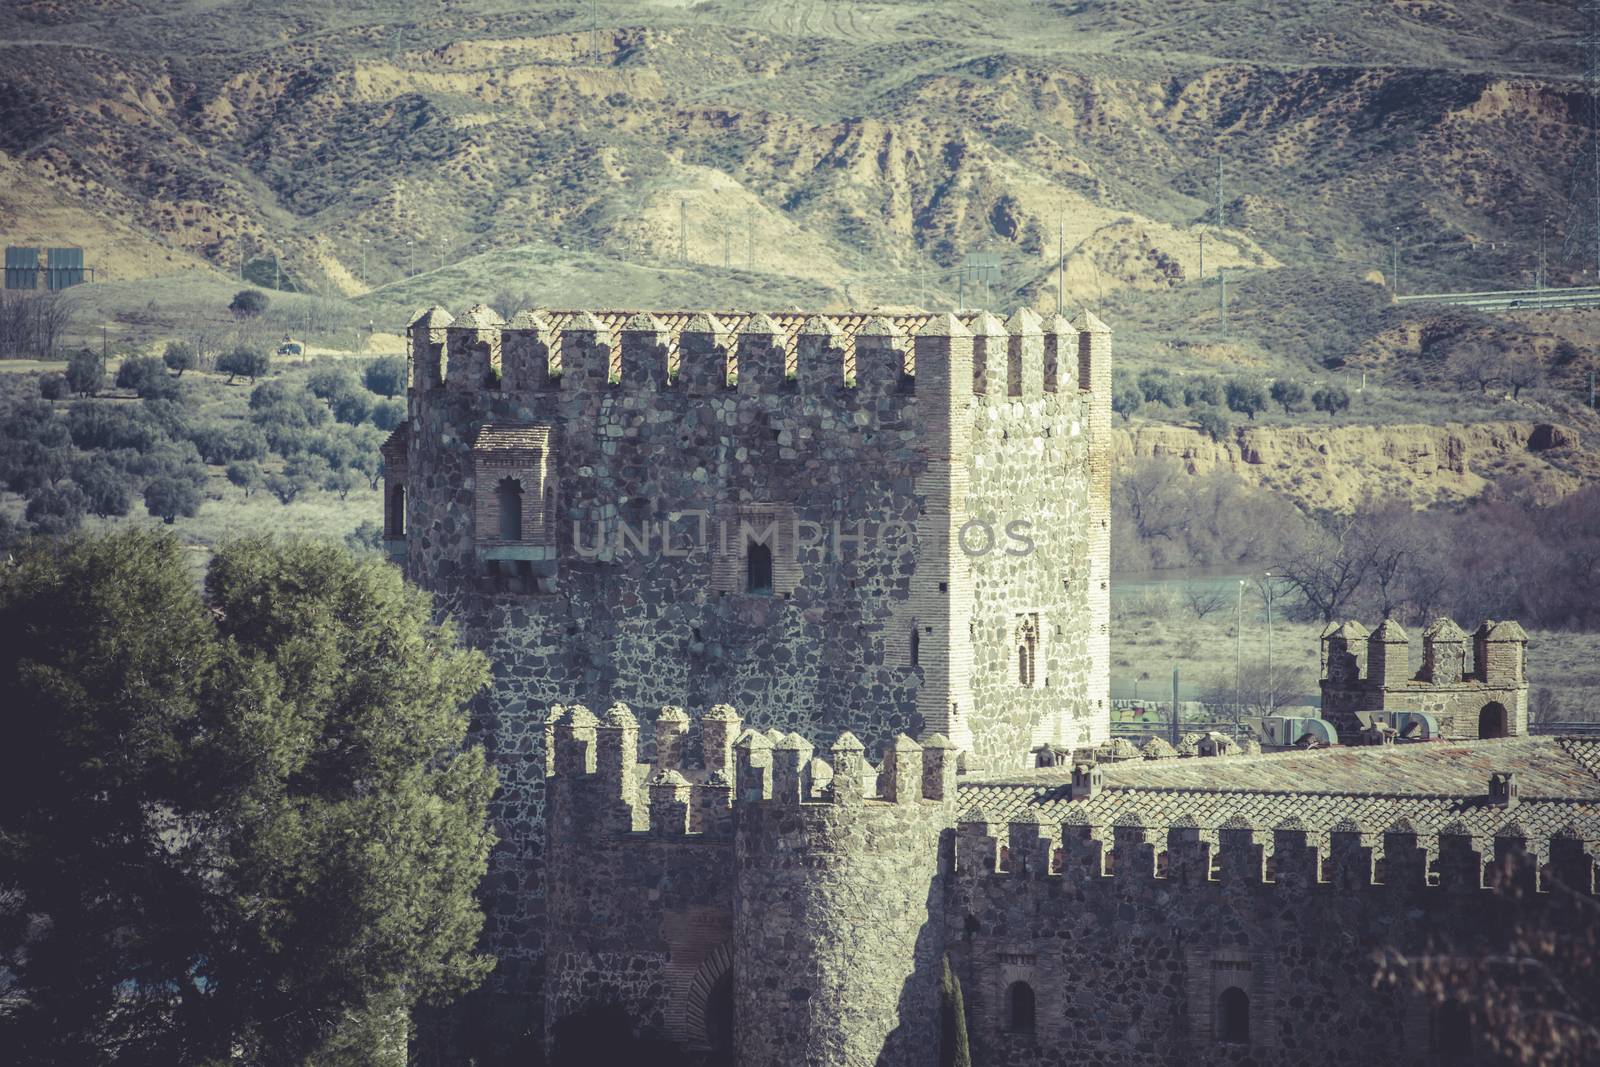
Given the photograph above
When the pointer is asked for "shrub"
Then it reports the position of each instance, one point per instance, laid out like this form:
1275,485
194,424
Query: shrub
180,356
386,376
86,372
286,486
104,485
387,414
1160,387
101,425
53,386
248,303
1212,422
1246,396
56,509
147,376
1331,398
1289,395
1125,400
167,498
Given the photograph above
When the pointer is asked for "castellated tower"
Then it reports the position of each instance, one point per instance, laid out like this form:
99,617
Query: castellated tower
878,524
1364,672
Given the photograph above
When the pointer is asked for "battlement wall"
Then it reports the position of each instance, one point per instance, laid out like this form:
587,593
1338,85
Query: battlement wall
1143,944
698,353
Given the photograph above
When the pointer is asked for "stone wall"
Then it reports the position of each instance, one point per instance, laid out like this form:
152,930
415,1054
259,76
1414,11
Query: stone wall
1127,937
867,432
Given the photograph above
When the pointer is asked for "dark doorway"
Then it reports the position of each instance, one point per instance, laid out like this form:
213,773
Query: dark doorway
758,570
719,1022
509,496
397,511
1492,720
1233,1016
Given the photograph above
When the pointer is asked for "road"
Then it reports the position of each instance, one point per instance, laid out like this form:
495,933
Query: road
1513,299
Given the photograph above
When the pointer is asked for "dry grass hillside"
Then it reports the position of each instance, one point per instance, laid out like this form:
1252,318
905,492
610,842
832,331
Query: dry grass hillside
832,153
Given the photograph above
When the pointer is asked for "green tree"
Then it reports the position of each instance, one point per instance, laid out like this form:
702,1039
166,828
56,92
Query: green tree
287,486
86,372
56,509
248,303
53,386
1246,396
180,356
953,1046
244,361
1287,394
104,485
1330,398
238,826
1213,423
147,376
1204,389
386,376
246,475
387,414
167,498
352,408
329,381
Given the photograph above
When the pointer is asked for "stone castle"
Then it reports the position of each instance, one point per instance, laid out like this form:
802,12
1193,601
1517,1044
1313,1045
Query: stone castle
896,528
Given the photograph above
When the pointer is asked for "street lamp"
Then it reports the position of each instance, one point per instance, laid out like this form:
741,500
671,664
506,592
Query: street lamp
1238,658
1271,690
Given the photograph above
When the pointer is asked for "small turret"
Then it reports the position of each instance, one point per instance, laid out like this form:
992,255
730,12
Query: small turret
1388,655
1341,648
1499,653
1444,652
901,776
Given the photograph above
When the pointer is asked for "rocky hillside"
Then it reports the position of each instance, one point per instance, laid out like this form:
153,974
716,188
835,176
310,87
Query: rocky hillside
831,153
1338,467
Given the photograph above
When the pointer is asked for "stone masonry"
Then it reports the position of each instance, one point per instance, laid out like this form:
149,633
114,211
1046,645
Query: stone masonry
879,524
1364,672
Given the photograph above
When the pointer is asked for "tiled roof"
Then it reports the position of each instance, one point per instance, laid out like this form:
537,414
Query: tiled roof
1431,784
511,437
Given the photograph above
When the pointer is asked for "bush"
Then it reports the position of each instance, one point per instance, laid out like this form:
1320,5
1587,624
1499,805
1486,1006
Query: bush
86,372
244,362
1331,398
167,498
1212,422
101,425
180,356
386,376
286,486
53,386
248,303
1246,396
220,443
387,414
1289,395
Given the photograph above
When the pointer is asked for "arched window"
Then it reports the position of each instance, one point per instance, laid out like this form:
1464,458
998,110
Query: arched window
1233,1016
758,569
1492,720
397,511
1020,1008
1027,651
1451,1030
509,495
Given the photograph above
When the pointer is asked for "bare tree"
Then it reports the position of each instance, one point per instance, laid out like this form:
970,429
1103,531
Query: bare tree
1477,364
1520,374
1203,598
1255,690
1326,572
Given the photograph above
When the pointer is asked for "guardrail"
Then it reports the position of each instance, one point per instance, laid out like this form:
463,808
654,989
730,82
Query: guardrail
1566,729
1512,299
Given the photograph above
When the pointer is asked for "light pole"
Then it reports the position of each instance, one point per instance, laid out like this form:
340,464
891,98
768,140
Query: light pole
363,263
1238,658
1272,696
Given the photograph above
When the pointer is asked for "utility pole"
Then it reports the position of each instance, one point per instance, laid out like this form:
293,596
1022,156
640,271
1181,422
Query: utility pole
1272,695
1238,659
1061,266
363,263
1174,707
1222,281
1394,261
1202,257
727,248
683,232
275,280
961,289
1222,218
1583,218
749,240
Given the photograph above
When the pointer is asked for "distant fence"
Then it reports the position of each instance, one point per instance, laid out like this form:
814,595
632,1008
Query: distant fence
1511,299
1567,729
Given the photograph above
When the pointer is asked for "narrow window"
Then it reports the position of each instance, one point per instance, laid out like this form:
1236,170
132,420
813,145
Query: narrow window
509,495
1024,666
916,646
397,511
758,569
1019,1008
1233,1016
